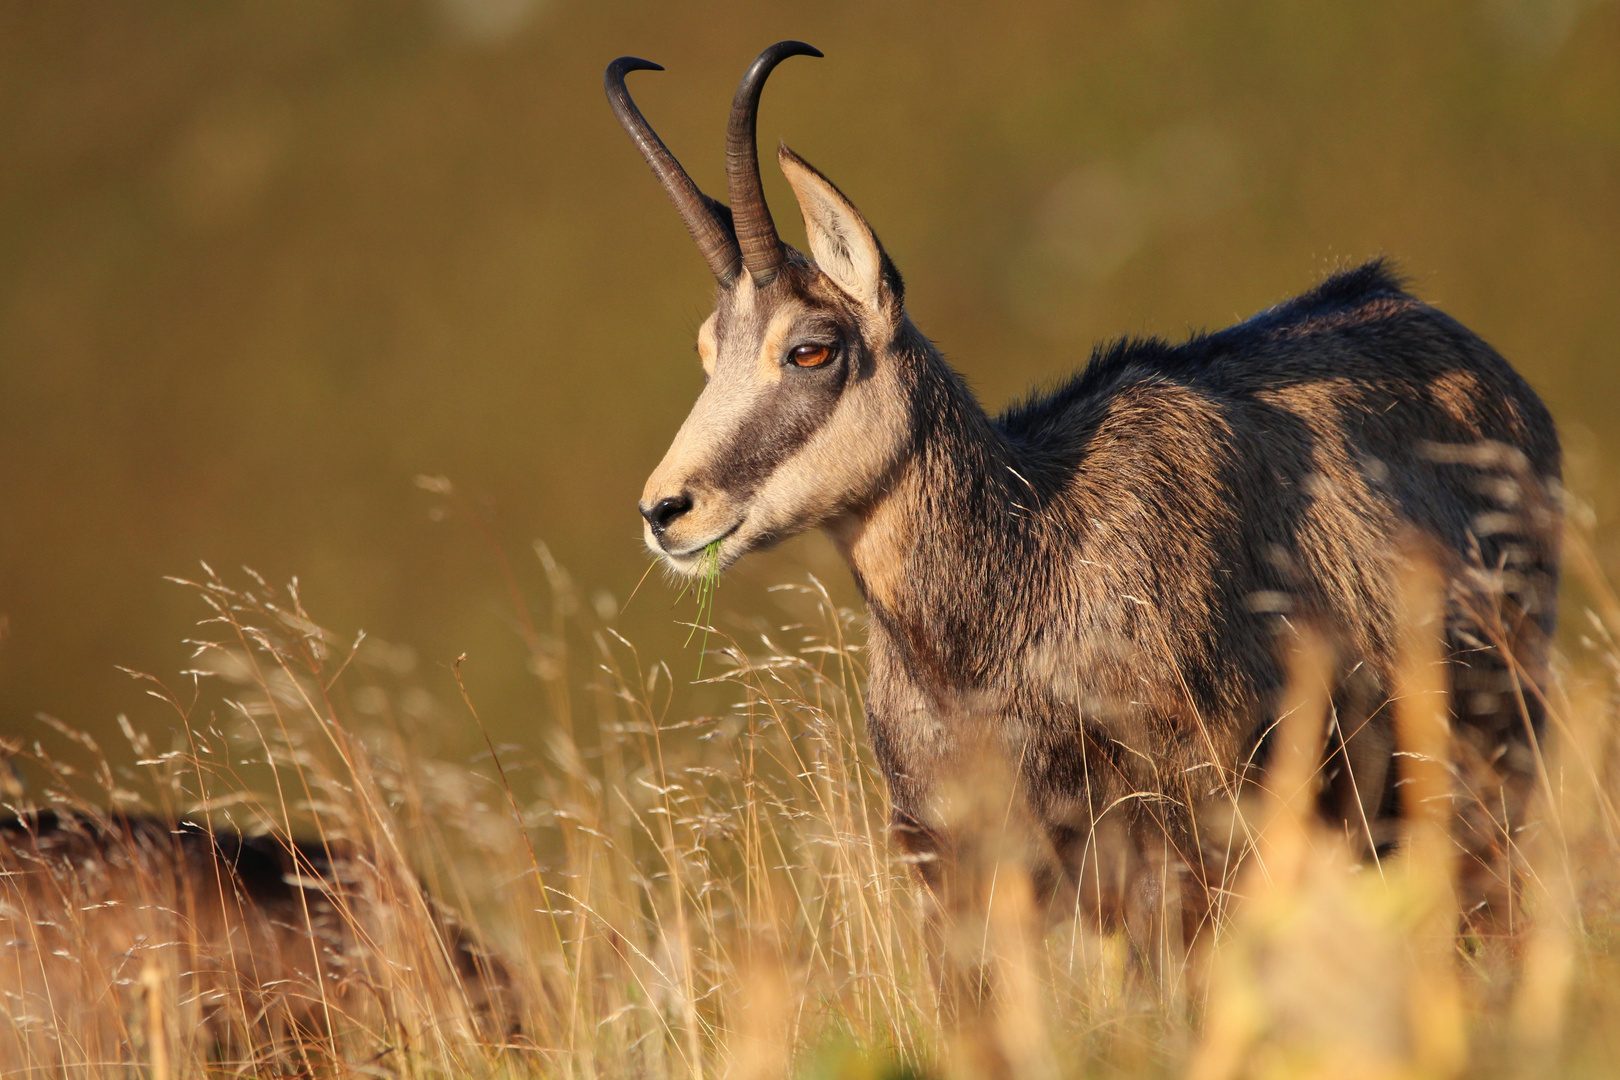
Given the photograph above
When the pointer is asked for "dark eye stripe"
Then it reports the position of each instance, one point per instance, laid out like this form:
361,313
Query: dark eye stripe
782,422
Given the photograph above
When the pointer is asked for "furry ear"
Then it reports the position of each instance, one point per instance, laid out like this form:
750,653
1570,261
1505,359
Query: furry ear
844,246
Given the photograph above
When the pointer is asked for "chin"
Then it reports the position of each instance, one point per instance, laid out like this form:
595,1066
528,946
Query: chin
681,565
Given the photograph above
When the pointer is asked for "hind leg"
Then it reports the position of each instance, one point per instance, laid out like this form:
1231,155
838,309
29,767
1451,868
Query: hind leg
1498,651
1358,790
1497,725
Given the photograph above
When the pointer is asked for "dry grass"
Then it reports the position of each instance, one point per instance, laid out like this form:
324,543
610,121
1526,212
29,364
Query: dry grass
716,896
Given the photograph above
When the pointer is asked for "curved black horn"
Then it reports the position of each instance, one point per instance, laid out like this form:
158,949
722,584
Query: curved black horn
705,219
751,218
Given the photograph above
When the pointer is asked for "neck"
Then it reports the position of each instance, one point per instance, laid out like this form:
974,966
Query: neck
934,553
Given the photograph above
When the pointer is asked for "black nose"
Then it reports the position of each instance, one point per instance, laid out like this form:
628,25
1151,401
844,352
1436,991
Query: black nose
665,511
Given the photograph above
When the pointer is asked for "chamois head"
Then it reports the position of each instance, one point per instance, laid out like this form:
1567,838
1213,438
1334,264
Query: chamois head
802,417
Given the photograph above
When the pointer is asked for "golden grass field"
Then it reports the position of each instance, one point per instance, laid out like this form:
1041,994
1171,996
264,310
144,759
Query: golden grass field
714,896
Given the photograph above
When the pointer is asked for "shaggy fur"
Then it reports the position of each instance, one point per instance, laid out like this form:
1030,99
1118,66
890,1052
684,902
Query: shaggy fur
1107,573
1102,581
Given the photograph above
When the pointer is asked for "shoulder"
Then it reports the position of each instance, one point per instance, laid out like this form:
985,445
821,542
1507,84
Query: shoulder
1112,365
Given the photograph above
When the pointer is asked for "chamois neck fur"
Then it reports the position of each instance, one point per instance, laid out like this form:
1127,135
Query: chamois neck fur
944,551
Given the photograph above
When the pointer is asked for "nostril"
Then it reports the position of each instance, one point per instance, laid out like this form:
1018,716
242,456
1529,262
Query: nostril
667,510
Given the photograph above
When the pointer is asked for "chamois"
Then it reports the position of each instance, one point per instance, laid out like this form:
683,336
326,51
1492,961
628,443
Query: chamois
261,939
1103,577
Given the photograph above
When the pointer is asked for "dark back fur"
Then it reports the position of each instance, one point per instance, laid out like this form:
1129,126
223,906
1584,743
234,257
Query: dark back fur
1108,572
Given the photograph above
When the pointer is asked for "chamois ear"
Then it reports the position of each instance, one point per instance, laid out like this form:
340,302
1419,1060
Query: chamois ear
844,246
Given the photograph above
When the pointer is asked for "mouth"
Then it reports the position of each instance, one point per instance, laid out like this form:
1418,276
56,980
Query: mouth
694,558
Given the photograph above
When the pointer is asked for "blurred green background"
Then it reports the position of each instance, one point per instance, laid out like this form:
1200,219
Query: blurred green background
263,264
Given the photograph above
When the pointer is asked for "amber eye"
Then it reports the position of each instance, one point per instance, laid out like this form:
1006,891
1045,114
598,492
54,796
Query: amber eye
810,355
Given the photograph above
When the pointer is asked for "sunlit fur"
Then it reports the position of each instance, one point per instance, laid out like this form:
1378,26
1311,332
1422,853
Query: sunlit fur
1103,577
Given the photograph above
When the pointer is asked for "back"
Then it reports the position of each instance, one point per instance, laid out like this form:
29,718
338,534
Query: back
1202,500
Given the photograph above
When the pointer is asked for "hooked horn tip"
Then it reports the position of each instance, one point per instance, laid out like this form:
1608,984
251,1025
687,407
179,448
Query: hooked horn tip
625,64
796,48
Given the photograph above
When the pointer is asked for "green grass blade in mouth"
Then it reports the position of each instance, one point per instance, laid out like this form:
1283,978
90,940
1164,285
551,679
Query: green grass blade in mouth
707,579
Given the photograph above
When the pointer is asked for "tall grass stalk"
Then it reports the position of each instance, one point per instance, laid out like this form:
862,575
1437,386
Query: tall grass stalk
716,896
